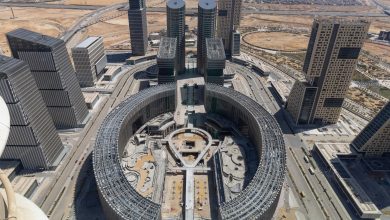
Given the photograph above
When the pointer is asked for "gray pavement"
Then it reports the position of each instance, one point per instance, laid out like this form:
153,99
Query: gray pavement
61,192
320,201
194,11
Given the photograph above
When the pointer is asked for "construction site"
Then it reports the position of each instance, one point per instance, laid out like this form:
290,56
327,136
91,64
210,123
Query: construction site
189,150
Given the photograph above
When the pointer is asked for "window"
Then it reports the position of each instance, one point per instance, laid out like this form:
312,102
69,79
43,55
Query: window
348,53
222,12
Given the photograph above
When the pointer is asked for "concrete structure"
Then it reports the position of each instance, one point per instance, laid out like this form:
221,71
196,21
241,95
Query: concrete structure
374,139
12,205
236,42
91,99
229,13
331,155
33,138
384,35
54,75
5,124
166,60
216,61
119,198
89,60
331,59
176,29
301,101
138,27
207,10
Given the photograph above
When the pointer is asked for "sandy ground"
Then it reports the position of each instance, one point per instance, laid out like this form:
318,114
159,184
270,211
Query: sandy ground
45,21
378,50
311,7
365,99
278,40
257,20
149,3
89,2
116,31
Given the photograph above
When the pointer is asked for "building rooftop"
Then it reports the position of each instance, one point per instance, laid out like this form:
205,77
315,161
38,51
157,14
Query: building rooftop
8,167
90,96
331,152
87,42
8,65
215,49
167,49
175,4
34,37
207,4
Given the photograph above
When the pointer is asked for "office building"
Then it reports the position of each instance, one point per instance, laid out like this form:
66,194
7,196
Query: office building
138,27
303,95
216,61
229,13
331,59
384,35
33,139
206,29
166,59
52,69
374,139
176,29
236,41
89,60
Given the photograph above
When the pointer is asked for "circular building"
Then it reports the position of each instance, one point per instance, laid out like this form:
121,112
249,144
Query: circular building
226,160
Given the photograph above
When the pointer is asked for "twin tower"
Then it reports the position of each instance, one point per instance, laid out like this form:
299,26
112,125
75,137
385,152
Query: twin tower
212,22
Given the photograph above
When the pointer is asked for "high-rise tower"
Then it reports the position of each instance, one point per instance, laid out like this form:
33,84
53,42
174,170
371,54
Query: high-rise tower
206,29
33,138
374,139
52,69
166,59
215,62
229,13
89,59
331,59
176,29
138,27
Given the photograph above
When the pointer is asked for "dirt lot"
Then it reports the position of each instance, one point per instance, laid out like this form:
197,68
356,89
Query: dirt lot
378,50
311,7
149,3
45,21
258,20
116,31
278,40
89,2
365,99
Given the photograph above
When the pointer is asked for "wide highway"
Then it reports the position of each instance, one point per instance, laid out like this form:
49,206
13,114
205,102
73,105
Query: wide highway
62,189
193,11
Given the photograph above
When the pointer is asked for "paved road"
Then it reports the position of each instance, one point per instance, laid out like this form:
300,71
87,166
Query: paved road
329,199
89,18
194,11
290,12
54,6
54,203
320,200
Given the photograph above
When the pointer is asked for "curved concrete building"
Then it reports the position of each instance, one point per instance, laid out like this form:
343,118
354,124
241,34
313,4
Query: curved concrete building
121,200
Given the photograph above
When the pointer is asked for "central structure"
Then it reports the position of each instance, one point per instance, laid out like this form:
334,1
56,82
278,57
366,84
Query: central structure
189,150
